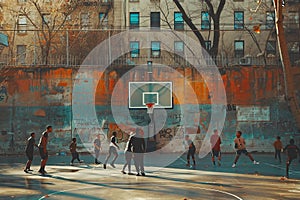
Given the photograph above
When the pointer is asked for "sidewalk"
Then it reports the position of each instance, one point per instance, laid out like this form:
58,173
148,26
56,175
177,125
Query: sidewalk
89,181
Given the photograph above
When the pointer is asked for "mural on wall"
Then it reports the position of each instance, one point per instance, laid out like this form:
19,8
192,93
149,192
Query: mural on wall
32,98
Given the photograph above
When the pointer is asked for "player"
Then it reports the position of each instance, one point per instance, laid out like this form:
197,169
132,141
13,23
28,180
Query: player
43,149
278,148
191,150
29,151
112,150
128,155
215,142
75,154
291,150
97,148
240,145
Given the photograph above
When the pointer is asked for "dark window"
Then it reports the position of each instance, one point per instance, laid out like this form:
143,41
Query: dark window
205,20
270,19
271,48
178,21
207,45
21,54
239,48
134,20
103,20
238,20
155,19
155,49
178,47
134,49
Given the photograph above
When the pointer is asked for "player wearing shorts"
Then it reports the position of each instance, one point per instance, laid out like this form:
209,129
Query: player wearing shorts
191,150
215,142
43,149
292,150
29,151
240,145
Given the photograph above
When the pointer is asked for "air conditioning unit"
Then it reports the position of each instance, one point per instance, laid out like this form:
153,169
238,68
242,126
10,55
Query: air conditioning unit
245,61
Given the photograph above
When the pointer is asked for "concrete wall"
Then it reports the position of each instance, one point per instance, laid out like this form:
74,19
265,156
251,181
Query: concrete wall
32,97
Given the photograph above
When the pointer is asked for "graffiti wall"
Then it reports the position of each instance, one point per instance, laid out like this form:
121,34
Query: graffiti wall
33,97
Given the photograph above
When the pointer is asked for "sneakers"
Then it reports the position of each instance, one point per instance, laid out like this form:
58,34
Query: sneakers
255,162
26,170
138,174
233,165
104,166
143,174
130,173
123,172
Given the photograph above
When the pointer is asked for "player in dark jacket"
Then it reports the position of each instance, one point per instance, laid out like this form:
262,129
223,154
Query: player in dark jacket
291,150
29,151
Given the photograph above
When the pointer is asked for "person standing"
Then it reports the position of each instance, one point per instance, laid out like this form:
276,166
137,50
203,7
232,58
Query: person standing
191,151
43,149
97,148
278,148
112,150
240,145
292,150
29,151
215,142
128,155
75,154
138,147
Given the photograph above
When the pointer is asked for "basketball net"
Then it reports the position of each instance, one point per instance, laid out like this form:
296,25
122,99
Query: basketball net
150,107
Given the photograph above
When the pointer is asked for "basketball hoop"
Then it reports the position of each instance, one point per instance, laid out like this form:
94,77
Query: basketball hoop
150,107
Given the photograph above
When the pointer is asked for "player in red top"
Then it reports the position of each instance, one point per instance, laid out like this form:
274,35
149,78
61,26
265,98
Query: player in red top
215,142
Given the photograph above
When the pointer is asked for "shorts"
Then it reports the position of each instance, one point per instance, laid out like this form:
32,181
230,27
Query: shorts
215,153
43,154
29,155
244,151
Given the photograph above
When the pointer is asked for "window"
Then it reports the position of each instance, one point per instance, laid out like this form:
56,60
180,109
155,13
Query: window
207,45
134,49
46,19
155,20
155,49
178,47
270,20
271,48
21,54
238,20
103,20
22,24
178,21
293,20
205,20
84,21
134,20
239,48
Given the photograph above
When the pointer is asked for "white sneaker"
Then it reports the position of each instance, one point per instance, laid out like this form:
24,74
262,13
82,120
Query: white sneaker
233,165
255,162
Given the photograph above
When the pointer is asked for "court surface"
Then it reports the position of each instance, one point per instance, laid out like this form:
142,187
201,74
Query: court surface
89,181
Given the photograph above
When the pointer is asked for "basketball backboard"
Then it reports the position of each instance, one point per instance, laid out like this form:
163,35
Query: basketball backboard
141,93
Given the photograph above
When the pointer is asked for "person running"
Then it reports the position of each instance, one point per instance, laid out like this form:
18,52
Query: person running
240,145
215,142
278,148
97,148
191,151
128,155
43,149
112,150
29,151
75,154
292,150
138,147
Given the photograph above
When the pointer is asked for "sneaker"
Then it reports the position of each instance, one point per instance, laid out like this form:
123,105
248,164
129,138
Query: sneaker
143,174
233,165
130,173
104,166
25,170
138,174
41,172
81,161
113,165
30,170
255,162
123,172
